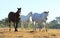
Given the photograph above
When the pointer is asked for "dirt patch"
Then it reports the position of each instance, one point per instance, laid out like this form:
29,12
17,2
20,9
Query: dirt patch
29,34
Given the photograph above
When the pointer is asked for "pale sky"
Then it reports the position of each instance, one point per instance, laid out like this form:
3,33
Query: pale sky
38,6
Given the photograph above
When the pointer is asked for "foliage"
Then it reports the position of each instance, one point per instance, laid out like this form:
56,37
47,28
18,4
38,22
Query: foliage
54,24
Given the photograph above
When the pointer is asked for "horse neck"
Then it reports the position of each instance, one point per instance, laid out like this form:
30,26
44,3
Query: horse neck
18,12
28,16
43,16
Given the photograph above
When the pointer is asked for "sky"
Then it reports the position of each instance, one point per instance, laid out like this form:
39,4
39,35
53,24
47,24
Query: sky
36,6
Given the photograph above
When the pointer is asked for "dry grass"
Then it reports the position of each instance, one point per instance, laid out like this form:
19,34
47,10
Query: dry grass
25,33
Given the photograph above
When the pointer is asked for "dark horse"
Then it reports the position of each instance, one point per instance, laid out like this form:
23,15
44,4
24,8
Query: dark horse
15,18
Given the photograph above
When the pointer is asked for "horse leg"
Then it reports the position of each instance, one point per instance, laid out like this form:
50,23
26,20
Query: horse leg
16,26
9,26
45,26
22,25
39,26
28,25
34,26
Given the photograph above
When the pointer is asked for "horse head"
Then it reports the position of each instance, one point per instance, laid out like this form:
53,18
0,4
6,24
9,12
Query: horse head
45,14
30,14
18,11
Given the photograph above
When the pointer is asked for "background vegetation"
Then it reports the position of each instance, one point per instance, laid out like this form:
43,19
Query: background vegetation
55,24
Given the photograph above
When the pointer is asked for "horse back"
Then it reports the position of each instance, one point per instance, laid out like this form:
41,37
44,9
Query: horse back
12,16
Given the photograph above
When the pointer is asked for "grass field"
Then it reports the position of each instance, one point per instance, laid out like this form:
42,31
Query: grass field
25,33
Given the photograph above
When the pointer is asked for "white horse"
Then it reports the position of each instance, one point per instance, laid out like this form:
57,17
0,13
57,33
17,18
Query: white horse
25,19
39,19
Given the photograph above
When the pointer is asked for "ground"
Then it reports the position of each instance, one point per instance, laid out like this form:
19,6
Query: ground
26,33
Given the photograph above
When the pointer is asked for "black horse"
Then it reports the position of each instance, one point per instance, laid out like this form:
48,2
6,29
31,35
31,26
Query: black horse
15,18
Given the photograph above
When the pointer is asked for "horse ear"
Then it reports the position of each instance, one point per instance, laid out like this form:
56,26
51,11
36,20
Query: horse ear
18,8
46,11
31,12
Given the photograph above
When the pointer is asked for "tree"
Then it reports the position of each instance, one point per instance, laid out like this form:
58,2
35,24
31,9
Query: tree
58,19
52,24
55,24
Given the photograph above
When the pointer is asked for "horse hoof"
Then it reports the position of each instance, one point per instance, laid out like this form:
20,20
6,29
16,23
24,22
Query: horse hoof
9,29
31,31
16,31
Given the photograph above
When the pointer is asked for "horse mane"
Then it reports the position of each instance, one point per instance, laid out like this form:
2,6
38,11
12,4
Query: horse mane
46,12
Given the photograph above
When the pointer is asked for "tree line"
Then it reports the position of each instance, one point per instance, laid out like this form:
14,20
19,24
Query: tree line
54,24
